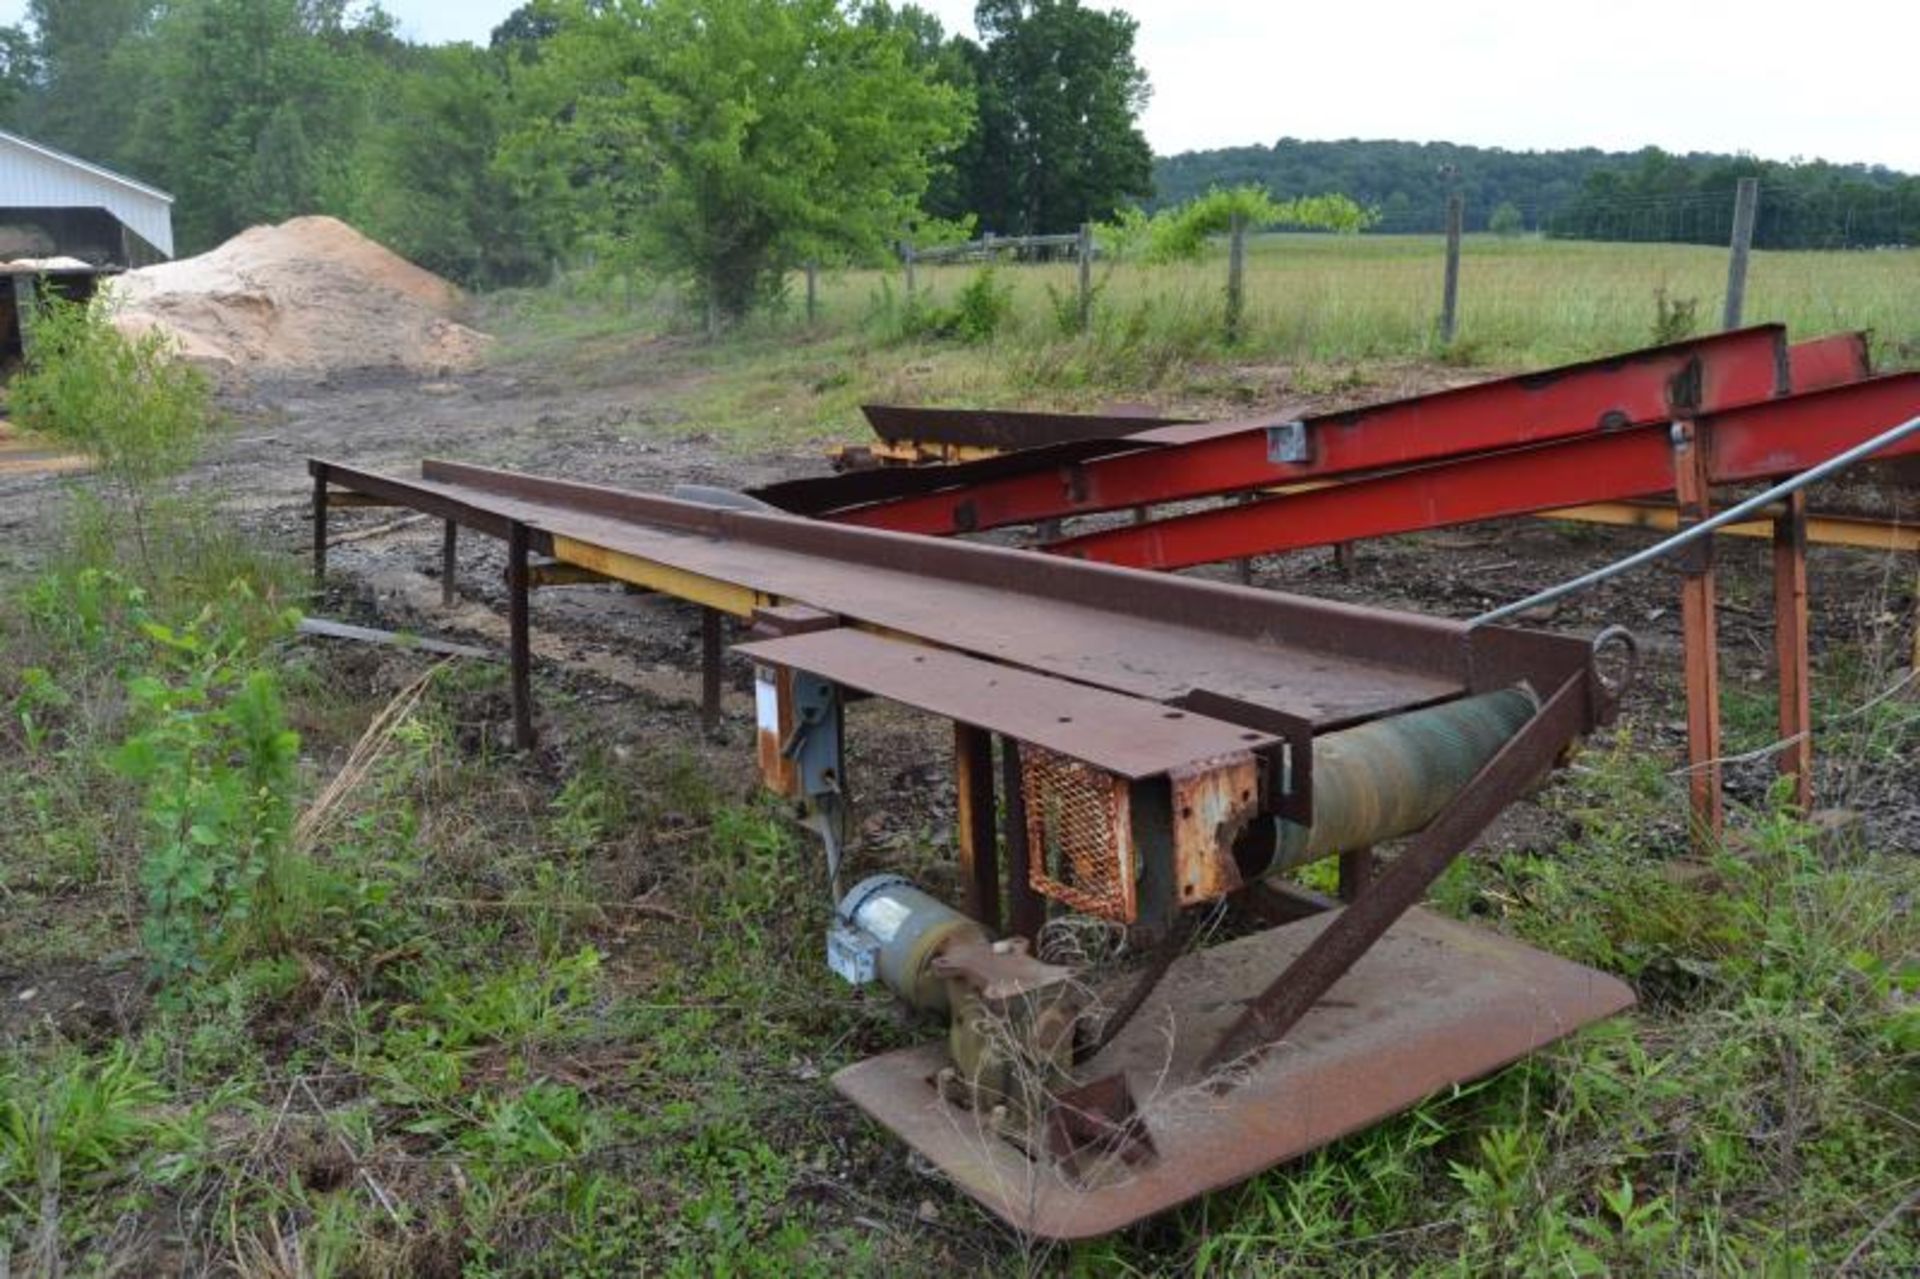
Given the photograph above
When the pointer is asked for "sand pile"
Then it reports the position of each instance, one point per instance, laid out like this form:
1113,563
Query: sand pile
311,295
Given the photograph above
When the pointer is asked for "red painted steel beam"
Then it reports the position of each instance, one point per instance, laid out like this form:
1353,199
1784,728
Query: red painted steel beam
1834,360
1760,441
1654,385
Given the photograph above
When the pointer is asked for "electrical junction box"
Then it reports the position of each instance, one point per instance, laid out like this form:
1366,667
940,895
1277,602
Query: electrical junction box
853,954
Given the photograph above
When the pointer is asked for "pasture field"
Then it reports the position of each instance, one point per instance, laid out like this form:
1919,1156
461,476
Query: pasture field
1524,301
1325,314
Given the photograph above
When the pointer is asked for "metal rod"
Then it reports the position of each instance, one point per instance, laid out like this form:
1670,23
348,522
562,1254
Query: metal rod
1700,642
1732,515
319,527
1791,650
519,638
1025,911
710,657
979,842
449,562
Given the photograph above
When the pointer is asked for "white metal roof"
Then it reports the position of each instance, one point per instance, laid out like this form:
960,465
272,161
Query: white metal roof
54,153
34,175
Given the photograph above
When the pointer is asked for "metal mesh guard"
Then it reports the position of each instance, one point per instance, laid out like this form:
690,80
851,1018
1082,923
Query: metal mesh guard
1079,834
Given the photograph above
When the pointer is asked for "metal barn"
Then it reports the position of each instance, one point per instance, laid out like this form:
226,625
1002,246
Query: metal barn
54,204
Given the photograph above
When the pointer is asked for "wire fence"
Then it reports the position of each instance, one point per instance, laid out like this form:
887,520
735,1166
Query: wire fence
1535,301
1789,218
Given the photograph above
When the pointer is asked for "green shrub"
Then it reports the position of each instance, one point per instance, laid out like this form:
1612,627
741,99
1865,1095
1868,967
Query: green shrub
215,759
1181,234
1675,318
126,401
980,310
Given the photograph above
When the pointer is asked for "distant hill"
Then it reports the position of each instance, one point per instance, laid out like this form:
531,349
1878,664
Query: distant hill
1589,193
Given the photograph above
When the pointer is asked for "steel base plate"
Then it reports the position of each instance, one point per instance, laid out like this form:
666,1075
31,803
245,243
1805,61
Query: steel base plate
1434,1003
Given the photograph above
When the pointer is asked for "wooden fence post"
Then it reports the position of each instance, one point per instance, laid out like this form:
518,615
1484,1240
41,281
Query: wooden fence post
1236,277
906,254
813,292
1746,205
1450,296
1086,277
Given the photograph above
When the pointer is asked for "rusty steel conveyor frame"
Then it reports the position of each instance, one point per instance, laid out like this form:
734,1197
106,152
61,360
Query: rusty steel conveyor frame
1146,674
1588,442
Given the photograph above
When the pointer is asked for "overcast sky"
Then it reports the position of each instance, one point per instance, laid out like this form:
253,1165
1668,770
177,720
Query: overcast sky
1777,78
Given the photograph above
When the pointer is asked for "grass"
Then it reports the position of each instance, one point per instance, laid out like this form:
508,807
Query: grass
566,1014
1321,311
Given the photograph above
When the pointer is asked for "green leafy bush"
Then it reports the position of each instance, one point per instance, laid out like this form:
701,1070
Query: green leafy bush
79,1119
126,401
215,760
1181,234
979,311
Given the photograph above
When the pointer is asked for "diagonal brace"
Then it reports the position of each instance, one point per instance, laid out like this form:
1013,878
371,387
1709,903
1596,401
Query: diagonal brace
1296,990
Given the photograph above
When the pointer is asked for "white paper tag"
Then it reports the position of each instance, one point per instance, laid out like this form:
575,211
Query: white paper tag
766,700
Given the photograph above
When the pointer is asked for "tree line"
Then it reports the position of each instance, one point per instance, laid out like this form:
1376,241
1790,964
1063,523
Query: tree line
1585,193
721,141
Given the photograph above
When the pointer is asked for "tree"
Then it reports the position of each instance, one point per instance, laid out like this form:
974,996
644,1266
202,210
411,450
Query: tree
19,72
1057,141
524,31
729,139
1506,220
78,42
425,179
251,107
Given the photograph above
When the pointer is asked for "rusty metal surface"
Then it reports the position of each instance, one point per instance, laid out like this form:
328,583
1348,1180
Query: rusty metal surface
1080,831
1004,429
1144,634
1122,735
1292,994
1433,1004
1596,397
817,495
1212,803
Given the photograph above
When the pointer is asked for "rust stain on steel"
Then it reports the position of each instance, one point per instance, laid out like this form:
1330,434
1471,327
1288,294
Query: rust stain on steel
1006,429
1212,803
1435,1003
1080,833
773,725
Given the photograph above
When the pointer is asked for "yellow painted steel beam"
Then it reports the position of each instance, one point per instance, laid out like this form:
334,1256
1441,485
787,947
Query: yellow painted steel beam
1825,530
557,574
916,452
728,597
